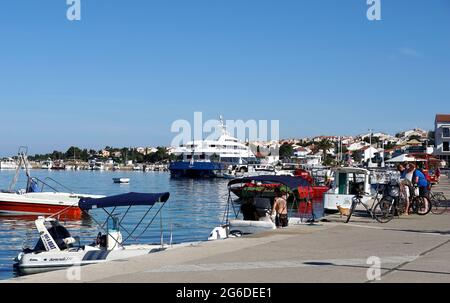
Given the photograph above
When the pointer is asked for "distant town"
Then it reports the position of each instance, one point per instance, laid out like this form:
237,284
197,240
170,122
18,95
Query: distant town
369,150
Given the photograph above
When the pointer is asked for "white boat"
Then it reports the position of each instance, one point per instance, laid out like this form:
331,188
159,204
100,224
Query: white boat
121,180
8,163
57,249
47,164
98,166
348,181
211,158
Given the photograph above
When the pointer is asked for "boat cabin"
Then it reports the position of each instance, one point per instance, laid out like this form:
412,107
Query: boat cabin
348,182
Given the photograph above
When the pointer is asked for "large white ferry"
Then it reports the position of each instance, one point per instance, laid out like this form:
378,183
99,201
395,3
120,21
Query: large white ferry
209,158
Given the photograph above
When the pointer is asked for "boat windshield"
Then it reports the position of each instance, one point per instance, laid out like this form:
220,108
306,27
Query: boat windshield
58,233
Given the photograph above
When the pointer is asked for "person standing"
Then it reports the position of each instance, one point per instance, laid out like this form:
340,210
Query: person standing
405,185
280,209
420,180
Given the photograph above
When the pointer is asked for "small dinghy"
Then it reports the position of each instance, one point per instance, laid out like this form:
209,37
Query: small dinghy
121,180
58,249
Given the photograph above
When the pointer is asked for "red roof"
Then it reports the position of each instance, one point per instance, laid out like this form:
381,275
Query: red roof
442,118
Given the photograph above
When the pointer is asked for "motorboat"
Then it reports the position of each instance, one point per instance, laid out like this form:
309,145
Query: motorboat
47,164
40,196
58,165
300,195
56,248
121,180
348,181
8,163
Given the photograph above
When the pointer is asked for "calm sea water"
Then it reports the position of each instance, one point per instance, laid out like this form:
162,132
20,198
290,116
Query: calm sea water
195,207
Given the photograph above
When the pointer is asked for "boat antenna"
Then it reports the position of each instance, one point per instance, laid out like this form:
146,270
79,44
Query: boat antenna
222,126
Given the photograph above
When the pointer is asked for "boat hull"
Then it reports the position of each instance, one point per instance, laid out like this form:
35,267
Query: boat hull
38,208
197,169
33,263
42,203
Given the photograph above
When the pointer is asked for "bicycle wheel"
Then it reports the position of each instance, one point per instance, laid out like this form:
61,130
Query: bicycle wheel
421,206
352,209
438,204
384,210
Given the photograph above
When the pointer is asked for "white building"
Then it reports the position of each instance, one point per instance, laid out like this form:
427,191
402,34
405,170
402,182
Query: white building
414,132
442,137
357,145
301,151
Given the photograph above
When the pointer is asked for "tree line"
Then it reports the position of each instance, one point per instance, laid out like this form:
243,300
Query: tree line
119,155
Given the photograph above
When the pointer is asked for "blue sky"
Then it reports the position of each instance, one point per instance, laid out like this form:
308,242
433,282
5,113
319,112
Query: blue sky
128,69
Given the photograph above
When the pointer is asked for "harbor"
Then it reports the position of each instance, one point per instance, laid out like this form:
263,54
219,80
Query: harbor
214,191
250,146
411,249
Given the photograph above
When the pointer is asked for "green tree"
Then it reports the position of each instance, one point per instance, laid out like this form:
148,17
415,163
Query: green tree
286,151
324,145
357,156
72,153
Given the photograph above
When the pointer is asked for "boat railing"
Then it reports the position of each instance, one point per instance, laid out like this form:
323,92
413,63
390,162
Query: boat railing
44,183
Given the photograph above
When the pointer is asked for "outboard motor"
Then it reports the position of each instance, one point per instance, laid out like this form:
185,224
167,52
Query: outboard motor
114,234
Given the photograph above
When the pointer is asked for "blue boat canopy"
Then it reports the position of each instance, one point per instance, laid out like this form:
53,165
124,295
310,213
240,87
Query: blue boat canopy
291,182
129,199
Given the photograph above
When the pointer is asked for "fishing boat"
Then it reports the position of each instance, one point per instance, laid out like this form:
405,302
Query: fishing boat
56,248
121,180
58,165
348,181
267,190
39,196
300,195
8,163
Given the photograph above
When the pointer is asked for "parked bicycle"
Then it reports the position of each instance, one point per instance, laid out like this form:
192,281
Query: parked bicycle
392,203
439,202
419,205
379,210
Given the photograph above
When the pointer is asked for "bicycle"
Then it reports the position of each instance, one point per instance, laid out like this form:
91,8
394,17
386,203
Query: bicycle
383,210
439,203
420,205
374,211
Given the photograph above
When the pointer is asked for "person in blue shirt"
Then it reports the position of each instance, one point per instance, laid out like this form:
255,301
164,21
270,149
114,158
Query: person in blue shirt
420,180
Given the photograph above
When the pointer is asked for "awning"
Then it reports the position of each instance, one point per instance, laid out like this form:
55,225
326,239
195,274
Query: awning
405,158
129,199
292,182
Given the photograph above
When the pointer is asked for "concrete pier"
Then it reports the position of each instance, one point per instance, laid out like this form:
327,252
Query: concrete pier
410,249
